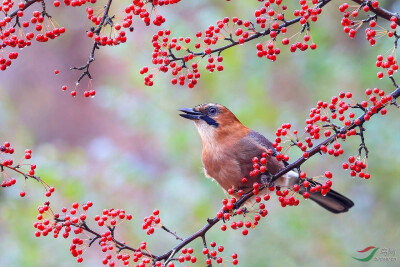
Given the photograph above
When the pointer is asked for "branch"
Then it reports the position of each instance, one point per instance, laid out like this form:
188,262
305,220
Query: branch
172,233
362,145
27,4
381,12
106,19
295,165
25,169
253,37
169,256
202,232
16,169
205,246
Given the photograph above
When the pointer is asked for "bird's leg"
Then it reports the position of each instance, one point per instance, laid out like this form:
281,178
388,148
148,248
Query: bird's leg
266,178
245,210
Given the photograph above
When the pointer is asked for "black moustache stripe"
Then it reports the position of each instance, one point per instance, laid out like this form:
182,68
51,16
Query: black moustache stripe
209,121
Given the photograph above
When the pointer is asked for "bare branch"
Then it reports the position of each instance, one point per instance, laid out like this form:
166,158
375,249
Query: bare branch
381,12
106,20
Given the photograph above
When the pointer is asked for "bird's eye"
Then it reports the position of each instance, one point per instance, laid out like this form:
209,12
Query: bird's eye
212,111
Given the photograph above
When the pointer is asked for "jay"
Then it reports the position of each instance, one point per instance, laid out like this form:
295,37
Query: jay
229,146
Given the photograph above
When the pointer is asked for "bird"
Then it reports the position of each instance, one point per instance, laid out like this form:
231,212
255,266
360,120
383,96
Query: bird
228,149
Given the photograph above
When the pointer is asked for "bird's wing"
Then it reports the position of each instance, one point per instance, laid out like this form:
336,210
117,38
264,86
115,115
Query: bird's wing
260,139
253,145
333,201
273,165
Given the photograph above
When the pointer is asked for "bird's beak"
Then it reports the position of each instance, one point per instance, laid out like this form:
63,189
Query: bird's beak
190,114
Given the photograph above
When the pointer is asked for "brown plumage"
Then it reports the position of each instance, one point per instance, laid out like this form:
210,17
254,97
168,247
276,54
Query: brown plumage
229,146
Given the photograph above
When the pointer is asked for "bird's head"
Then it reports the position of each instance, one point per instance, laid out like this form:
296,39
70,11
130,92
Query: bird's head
213,121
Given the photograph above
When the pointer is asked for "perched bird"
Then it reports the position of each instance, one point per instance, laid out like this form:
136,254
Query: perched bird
228,149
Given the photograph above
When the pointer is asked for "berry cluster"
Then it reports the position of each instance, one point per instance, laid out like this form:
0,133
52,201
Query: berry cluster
213,254
270,22
186,255
163,46
390,66
74,221
335,121
18,30
140,8
74,3
287,197
260,166
251,215
351,25
56,224
329,122
313,187
332,122
356,167
138,257
116,35
111,217
109,32
349,22
151,222
8,181
26,170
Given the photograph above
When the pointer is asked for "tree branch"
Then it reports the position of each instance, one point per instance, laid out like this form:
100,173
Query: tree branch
27,4
211,222
381,12
315,150
253,37
106,19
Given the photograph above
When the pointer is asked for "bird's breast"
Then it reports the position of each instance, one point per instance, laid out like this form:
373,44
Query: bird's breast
221,165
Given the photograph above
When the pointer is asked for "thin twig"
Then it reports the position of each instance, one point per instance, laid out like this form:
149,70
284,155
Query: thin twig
205,246
362,144
381,12
172,233
106,19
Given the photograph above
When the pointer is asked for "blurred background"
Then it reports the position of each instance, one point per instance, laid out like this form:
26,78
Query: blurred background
128,148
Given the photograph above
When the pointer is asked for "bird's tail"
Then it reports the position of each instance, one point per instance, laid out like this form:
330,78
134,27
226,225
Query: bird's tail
333,201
